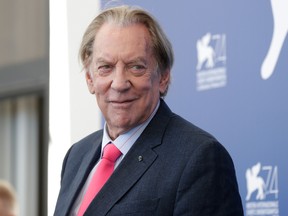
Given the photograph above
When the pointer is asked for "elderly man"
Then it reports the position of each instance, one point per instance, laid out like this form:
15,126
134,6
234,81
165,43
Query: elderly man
146,160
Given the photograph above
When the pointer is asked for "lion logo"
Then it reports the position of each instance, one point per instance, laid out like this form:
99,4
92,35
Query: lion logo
205,52
255,182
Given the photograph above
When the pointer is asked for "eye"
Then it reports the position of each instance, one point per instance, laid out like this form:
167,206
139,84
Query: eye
137,69
104,70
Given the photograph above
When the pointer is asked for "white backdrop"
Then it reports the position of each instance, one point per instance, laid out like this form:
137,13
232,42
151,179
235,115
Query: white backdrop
73,111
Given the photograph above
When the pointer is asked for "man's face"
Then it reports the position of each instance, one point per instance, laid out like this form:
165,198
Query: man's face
123,76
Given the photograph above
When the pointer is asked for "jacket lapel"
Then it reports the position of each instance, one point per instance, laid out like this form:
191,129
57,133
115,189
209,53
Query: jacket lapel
82,174
139,158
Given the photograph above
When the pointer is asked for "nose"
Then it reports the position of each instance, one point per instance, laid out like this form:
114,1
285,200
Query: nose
120,81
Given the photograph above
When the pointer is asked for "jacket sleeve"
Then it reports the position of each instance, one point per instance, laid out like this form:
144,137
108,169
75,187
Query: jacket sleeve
64,163
208,185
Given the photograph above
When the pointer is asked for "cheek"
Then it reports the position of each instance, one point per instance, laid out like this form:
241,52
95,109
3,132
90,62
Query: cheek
146,88
101,89
155,84
101,85
151,81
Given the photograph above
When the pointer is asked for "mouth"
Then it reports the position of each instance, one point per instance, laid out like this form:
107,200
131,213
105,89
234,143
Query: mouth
122,103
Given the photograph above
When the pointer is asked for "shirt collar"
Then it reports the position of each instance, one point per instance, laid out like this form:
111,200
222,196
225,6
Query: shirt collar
125,141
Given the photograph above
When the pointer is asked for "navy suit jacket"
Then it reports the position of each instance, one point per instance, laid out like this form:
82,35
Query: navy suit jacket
183,171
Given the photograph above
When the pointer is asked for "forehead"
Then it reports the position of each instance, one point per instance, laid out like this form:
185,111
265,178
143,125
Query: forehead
114,36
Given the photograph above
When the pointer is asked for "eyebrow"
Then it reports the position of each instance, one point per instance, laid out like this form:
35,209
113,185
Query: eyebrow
129,61
138,59
102,60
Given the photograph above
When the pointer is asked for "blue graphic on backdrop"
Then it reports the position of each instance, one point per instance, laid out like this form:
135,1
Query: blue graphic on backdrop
231,78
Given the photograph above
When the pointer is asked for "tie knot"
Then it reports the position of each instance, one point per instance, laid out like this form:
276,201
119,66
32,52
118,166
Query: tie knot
111,152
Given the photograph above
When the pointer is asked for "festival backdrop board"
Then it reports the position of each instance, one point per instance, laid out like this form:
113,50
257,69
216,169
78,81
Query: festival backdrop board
230,78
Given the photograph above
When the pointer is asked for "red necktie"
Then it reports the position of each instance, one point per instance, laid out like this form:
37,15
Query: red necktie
104,170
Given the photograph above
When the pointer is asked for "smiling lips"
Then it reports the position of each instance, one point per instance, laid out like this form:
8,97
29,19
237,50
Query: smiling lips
121,103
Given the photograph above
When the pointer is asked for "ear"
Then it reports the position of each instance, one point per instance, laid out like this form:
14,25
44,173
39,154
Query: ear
89,81
164,81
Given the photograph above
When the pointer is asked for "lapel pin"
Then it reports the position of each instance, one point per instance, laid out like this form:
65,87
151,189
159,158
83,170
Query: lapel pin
140,158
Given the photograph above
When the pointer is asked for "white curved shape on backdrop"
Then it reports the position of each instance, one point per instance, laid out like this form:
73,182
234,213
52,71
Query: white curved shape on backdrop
280,16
